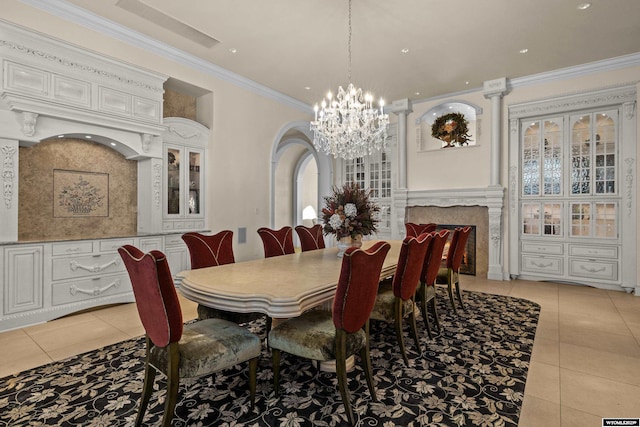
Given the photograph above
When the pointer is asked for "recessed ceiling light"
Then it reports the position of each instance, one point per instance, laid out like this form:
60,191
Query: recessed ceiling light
88,136
417,93
583,6
233,50
60,136
113,144
524,50
405,50
466,82
307,88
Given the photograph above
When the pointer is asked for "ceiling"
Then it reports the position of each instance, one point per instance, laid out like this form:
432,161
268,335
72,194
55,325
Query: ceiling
300,47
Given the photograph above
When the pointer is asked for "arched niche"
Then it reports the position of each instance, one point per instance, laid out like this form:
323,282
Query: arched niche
426,142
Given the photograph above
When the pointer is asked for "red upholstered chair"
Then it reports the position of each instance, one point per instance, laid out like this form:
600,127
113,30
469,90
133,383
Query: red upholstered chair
321,335
414,230
426,293
177,350
451,274
396,300
212,251
276,242
310,237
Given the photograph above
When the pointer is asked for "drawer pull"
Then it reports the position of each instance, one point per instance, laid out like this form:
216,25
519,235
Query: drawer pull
72,250
542,265
95,291
593,270
93,268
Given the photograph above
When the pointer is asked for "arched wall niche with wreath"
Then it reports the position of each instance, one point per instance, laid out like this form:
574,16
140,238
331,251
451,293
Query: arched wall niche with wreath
450,124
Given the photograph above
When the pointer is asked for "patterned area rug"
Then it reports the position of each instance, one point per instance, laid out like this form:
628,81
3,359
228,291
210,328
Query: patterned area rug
472,374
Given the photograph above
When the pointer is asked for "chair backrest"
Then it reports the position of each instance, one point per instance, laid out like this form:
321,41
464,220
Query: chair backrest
409,266
155,294
210,251
311,238
277,242
452,247
433,257
358,286
414,230
461,243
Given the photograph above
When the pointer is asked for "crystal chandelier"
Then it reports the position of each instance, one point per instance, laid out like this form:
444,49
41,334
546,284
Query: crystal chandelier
348,126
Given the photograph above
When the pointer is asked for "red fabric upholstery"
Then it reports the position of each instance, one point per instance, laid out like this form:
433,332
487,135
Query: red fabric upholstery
414,230
155,294
276,242
409,268
358,286
463,236
433,257
210,251
452,246
310,237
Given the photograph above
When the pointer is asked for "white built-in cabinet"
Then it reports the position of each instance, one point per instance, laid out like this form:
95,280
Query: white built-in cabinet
185,143
47,280
572,166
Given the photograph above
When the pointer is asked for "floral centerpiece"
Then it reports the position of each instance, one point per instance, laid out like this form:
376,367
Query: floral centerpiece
349,212
451,128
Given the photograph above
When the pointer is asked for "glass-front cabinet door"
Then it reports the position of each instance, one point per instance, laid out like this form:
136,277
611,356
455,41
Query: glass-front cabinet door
184,181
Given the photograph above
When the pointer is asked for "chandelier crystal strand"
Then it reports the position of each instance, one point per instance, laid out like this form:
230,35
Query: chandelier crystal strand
348,126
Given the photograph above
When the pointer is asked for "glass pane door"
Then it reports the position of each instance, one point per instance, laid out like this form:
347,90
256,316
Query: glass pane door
194,183
173,181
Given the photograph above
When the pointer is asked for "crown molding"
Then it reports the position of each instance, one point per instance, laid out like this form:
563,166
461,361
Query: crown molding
77,15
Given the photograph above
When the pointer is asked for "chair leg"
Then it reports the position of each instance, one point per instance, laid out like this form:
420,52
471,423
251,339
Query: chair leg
458,290
253,369
366,361
341,372
147,388
422,289
450,290
275,357
414,328
173,382
434,312
397,309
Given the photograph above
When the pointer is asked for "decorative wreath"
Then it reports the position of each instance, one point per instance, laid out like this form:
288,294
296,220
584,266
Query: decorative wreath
451,128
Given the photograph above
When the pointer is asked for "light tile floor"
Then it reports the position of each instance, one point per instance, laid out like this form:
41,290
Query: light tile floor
585,363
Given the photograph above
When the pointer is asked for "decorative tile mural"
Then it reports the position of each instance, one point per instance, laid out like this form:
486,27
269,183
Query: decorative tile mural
78,193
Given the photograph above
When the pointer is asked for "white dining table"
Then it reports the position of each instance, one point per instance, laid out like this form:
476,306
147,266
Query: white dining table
280,287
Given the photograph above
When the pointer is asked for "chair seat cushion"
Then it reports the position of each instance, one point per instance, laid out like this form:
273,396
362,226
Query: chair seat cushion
208,346
443,275
383,309
312,335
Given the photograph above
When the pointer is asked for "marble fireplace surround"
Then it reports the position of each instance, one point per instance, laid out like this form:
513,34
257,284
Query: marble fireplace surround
481,207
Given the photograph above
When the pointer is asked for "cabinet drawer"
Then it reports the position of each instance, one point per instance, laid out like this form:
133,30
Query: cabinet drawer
81,290
541,264
593,251
86,266
173,240
593,269
113,245
542,248
71,248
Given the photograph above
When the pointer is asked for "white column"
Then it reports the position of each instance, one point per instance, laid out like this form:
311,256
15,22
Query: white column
401,108
494,90
9,177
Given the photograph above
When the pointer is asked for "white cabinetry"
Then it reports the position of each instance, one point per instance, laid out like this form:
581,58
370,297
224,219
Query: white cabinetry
44,281
22,276
571,175
185,143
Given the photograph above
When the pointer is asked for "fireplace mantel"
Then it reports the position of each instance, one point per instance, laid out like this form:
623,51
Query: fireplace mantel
492,197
